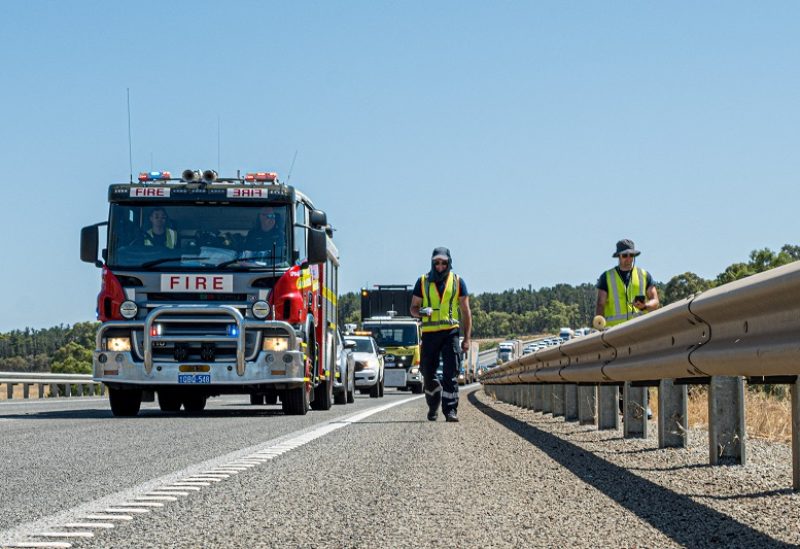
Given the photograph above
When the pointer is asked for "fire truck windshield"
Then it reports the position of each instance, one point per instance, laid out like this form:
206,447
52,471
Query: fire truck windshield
199,236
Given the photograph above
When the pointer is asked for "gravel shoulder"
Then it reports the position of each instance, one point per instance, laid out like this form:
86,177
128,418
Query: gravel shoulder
503,477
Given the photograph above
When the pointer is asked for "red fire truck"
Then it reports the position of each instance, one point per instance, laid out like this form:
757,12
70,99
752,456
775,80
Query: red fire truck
214,286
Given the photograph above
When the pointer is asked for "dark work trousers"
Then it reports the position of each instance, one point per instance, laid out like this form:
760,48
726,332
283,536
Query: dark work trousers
444,343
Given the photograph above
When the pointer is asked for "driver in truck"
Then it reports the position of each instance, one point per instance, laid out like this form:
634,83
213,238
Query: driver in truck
268,232
159,235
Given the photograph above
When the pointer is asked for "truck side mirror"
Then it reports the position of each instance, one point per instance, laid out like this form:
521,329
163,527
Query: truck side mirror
318,218
317,246
89,243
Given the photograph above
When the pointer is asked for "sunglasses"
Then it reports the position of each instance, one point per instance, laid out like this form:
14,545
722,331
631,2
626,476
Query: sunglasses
269,216
626,255
440,263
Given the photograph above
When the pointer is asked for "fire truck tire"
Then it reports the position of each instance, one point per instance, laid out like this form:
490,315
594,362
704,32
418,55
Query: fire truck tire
295,401
271,398
323,396
194,403
124,403
256,400
169,401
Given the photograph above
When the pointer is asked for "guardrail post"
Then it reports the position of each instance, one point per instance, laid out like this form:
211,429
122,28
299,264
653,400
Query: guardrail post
26,390
795,390
528,396
67,389
54,390
41,390
608,407
10,390
558,399
673,414
547,399
80,389
102,389
538,397
634,402
587,402
570,402
726,428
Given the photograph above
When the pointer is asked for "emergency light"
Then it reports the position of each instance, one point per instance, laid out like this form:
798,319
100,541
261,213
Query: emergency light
261,177
154,176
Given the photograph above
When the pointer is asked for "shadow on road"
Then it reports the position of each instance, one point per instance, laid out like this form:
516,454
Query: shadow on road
677,516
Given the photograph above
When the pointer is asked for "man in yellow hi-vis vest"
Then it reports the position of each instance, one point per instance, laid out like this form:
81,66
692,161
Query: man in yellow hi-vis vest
441,300
159,235
625,291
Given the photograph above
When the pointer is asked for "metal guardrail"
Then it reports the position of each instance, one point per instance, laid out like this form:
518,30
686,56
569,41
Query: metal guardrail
53,381
749,328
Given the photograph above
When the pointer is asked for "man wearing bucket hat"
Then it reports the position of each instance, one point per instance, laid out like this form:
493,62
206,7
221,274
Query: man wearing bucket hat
625,291
441,300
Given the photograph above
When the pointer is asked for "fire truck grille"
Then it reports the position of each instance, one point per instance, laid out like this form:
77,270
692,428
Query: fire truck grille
200,351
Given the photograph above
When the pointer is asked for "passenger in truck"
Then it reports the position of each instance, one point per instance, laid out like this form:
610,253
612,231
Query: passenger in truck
159,234
268,231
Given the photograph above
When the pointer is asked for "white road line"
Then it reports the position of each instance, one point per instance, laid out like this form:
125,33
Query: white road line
84,535
188,478
106,525
45,544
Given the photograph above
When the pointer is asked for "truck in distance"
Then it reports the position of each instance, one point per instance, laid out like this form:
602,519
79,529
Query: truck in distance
385,314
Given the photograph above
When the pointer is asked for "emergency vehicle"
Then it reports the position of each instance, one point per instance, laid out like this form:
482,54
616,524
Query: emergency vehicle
194,304
385,315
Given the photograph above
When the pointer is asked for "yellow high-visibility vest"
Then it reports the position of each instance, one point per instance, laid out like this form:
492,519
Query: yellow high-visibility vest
619,305
171,238
446,309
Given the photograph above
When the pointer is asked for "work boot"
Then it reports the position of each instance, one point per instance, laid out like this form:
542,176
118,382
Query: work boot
451,417
433,415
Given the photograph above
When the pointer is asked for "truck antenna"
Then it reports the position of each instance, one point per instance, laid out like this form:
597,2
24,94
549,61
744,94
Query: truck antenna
130,146
291,168
218,140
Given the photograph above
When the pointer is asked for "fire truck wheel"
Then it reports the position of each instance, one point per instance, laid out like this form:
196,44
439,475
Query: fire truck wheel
124,403
169,401
295,401
256,400
194,403
323,396
271,398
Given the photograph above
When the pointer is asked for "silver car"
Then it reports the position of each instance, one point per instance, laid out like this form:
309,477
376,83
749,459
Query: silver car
369,365
344,380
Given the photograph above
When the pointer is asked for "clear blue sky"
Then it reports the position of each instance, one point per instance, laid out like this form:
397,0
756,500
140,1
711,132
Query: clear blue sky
528,137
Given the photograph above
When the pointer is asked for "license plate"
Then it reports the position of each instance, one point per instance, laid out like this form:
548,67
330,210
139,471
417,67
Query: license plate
394,378
194,378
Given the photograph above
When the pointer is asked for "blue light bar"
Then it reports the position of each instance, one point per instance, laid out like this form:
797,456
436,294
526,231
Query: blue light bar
233,331
154,176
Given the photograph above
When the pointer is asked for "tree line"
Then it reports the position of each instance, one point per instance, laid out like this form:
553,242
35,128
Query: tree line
509,313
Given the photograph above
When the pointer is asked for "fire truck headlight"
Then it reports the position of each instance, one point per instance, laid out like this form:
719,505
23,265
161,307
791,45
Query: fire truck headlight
261,309
128,309
276,344
414,371
118,344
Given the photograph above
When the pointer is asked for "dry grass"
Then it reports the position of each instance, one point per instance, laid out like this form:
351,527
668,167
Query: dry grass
767,417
